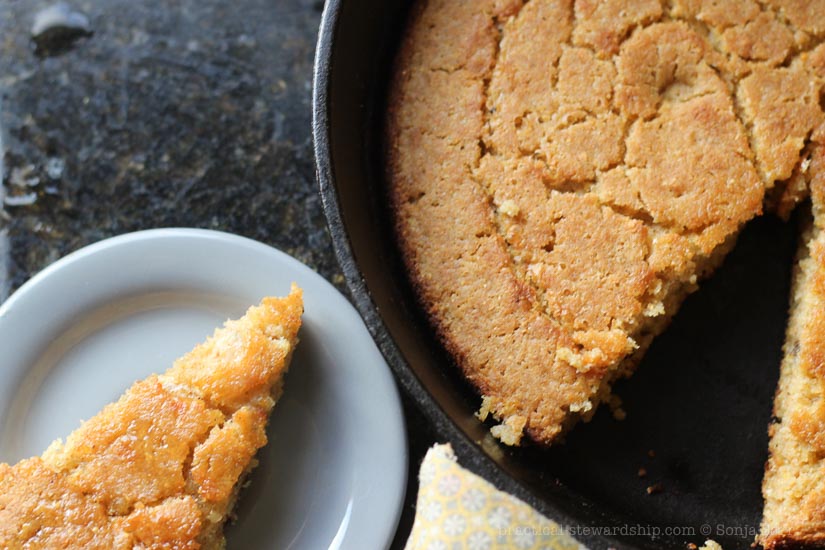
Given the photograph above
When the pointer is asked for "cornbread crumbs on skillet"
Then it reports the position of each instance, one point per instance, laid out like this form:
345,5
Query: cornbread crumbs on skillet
161,467
562,174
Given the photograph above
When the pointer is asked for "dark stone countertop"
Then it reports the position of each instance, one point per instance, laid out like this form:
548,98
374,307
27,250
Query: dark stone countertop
190,113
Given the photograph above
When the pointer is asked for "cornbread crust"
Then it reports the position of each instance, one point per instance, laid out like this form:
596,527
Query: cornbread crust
562,174
161,467
794,483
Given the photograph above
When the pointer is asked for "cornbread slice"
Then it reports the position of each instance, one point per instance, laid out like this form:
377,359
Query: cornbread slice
794,482
161,467
561,174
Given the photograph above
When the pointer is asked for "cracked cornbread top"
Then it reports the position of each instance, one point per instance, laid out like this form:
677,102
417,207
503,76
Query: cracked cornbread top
562,173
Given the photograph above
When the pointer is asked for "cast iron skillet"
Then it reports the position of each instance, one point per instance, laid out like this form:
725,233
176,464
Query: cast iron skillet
697,408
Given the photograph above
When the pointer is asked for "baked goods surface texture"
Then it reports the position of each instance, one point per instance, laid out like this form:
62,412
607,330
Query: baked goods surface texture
563,173
794,482
162,466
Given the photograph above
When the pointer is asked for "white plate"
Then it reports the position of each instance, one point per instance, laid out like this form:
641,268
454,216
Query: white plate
83,330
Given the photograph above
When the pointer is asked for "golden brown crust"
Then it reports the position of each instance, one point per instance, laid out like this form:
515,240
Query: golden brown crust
562,172
159,468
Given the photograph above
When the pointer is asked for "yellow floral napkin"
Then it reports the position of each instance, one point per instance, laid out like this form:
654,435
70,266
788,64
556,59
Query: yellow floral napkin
456,509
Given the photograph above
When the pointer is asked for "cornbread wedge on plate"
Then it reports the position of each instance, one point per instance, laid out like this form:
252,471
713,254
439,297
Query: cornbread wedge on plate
794,483
161,467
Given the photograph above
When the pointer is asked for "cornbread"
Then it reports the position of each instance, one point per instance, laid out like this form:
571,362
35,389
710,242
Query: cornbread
794,483
161,467
561,174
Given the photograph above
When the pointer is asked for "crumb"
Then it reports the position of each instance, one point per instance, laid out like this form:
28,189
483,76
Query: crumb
651,453
584,406
510,431
510,208
654,309
642,472
485,409
655,489
692,546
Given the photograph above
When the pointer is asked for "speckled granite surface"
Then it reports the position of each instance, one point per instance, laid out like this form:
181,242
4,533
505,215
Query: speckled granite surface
182,113
172,113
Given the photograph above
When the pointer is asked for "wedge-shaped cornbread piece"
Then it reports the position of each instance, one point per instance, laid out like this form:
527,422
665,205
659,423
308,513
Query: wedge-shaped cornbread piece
794,483
562,174
161,467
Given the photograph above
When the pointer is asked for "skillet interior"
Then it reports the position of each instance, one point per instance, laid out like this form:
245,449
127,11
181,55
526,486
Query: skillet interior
701,399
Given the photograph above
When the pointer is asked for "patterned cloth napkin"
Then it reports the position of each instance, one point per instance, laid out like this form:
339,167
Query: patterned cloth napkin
456,509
